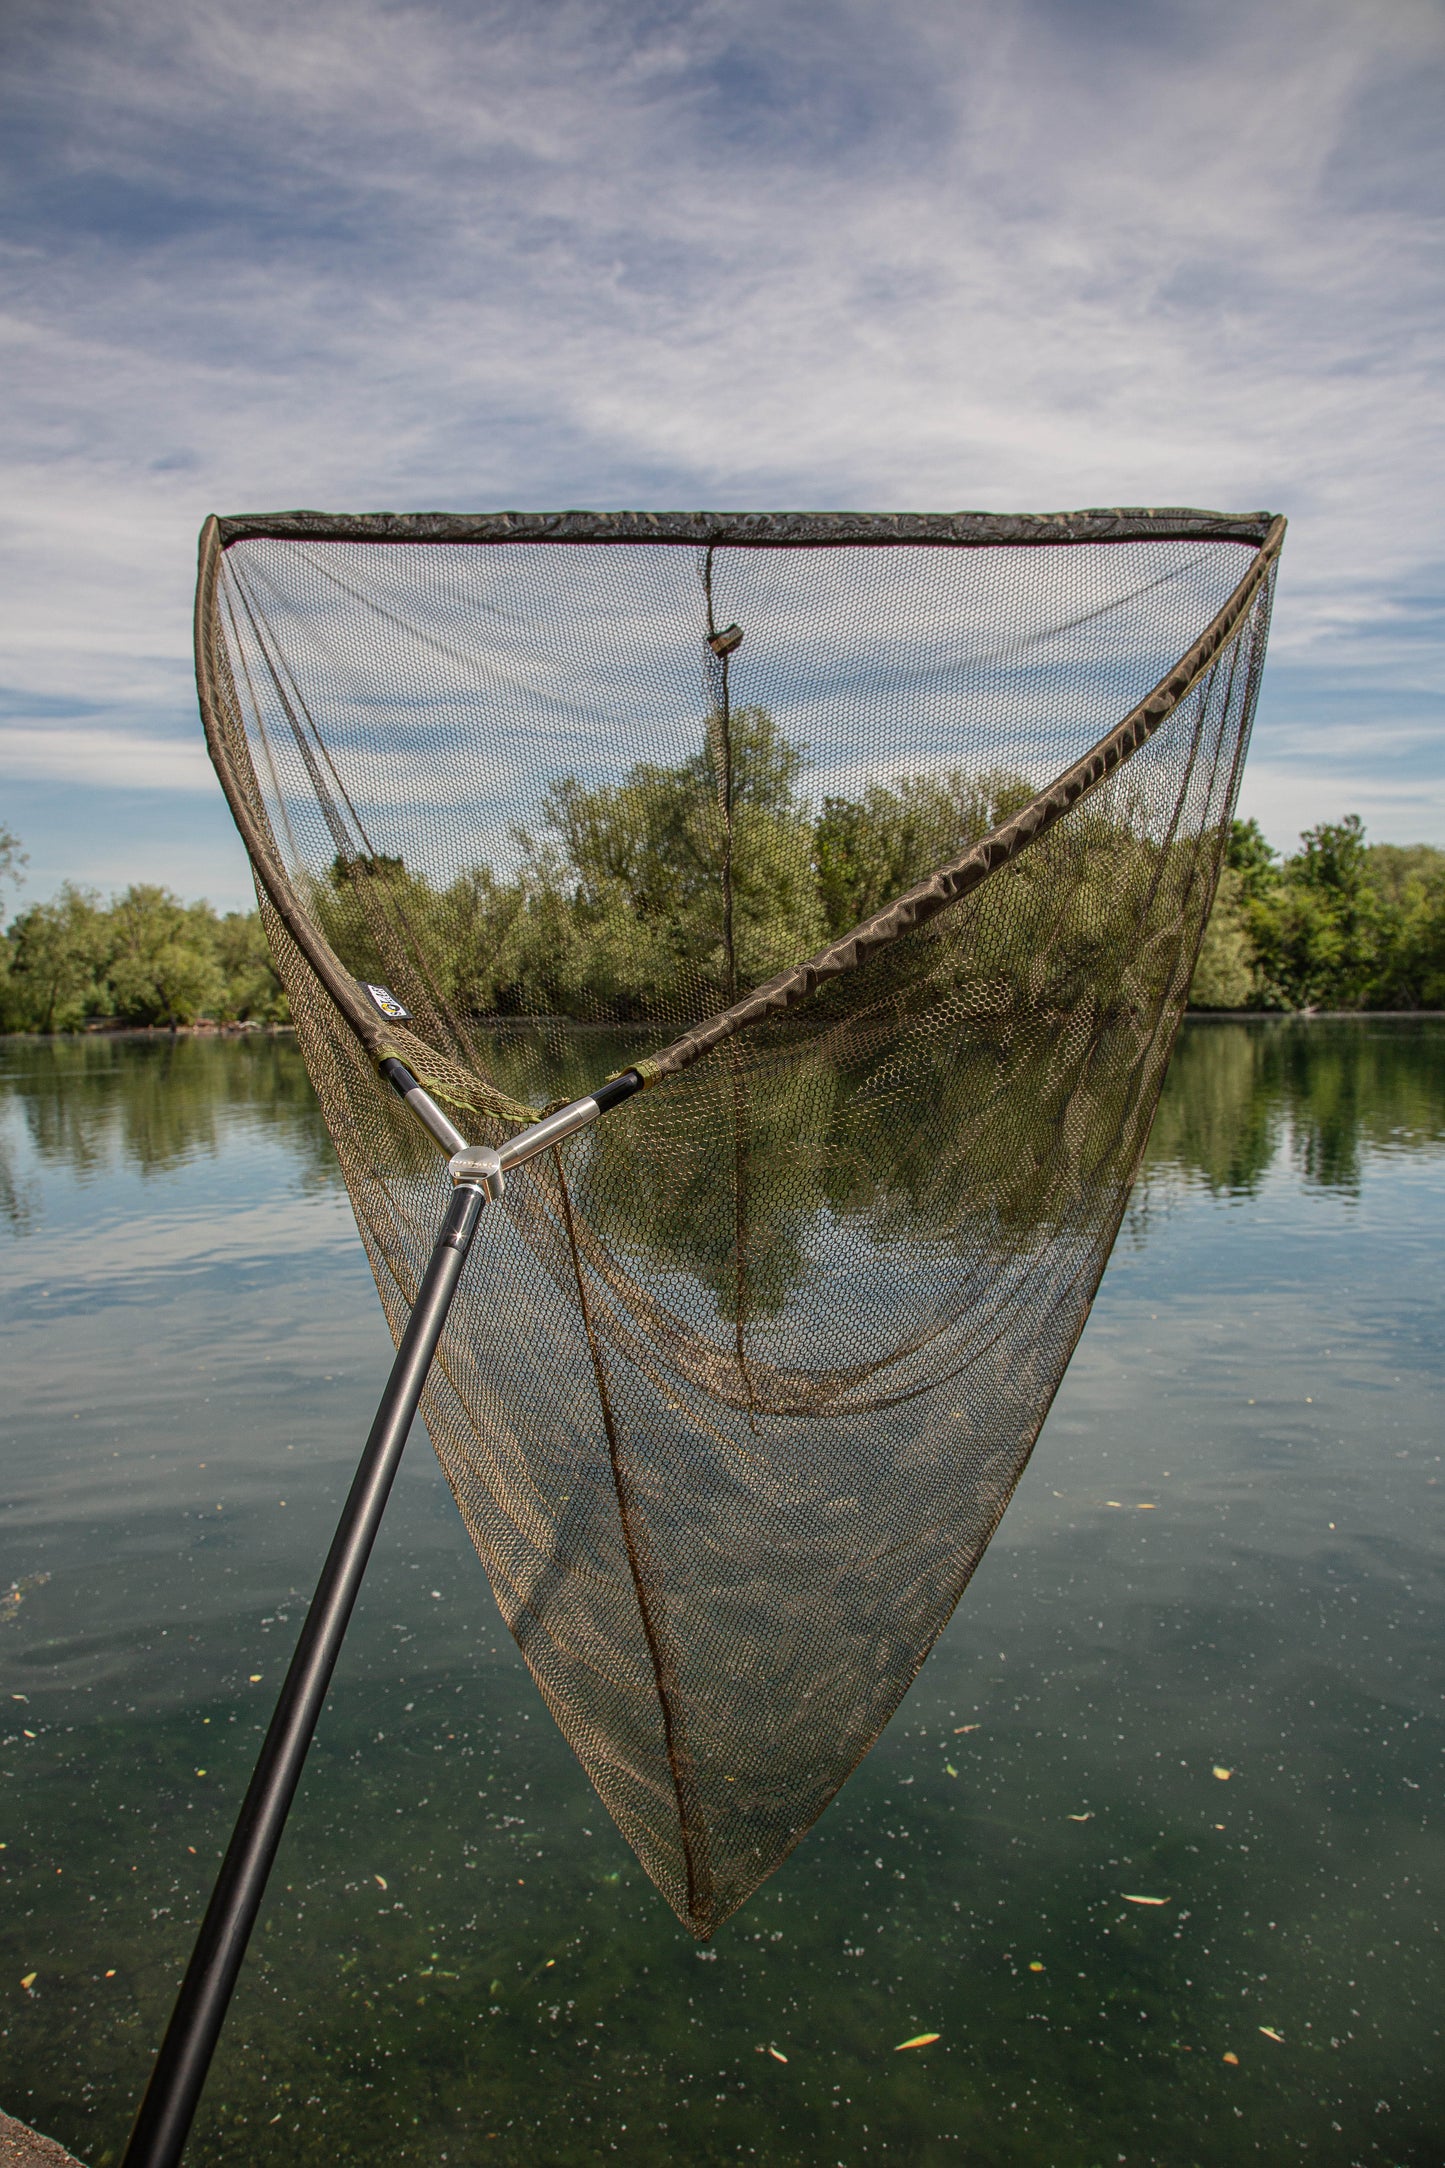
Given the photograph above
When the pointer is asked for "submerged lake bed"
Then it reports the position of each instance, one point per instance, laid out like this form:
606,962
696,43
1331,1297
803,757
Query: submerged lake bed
1148,1846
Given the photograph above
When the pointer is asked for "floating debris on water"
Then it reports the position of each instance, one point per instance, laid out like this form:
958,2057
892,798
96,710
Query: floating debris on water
12,1599
1132,1900
919,2040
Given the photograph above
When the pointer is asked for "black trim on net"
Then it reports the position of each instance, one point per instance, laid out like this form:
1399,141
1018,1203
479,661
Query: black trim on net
616,1089
397,1075
756,530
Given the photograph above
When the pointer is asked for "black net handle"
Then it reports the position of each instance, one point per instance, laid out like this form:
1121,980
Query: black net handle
226,741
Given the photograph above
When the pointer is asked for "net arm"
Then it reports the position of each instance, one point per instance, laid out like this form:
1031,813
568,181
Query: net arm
211,683
478,1162
437,1125
759,530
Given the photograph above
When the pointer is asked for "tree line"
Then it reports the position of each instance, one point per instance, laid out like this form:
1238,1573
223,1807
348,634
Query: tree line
613,907
1341,923
141,958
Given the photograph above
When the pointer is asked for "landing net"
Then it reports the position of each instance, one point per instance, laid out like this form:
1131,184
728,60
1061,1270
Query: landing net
882,847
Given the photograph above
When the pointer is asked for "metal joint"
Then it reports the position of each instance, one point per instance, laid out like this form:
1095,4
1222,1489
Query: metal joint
481,1168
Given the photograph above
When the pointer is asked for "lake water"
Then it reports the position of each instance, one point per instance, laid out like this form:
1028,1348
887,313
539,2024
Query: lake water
1200,1664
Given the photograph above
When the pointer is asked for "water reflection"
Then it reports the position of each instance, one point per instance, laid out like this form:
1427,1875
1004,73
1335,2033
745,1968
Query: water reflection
1262,1373
1322,1093
149,1103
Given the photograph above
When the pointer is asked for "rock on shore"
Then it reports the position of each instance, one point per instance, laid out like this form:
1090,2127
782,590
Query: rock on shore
21,2147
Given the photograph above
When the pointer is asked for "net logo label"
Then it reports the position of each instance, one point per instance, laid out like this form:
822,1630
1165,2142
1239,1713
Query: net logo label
388,1004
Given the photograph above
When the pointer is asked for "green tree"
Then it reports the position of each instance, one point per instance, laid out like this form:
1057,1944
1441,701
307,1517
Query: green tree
1254,860
1408,887
12,858
55,975
616,911
868,850
162,965
251,989
1343,924
1317,930
1225,976
636,868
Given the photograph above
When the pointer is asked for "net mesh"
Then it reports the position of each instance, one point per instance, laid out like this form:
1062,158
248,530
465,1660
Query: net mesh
740,1380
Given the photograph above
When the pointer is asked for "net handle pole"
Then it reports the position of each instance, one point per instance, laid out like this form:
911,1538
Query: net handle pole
163,2123
173,2094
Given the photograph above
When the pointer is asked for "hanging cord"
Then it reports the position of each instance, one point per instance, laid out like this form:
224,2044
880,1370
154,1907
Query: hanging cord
722,645
263,735
740,1230
381,906
720,652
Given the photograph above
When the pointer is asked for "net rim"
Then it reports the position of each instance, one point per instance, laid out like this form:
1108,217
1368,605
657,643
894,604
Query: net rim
936,892
758,530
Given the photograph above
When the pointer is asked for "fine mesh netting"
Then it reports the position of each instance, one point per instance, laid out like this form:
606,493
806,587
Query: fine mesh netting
882,848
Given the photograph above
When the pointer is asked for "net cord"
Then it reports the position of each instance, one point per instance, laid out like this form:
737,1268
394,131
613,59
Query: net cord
923,901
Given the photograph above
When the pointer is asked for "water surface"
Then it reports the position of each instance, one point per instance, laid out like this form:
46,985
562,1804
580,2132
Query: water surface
1223,1558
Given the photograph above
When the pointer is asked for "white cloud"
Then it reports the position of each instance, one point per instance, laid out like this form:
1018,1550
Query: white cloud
95,756
932,255
1288,798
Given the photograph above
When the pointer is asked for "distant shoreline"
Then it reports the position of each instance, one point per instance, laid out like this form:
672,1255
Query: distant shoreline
1301,1016
203,1029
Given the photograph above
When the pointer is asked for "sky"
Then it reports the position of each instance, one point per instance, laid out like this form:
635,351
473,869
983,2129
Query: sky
871,254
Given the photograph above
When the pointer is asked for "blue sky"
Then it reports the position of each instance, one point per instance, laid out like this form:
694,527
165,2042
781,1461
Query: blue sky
888,254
